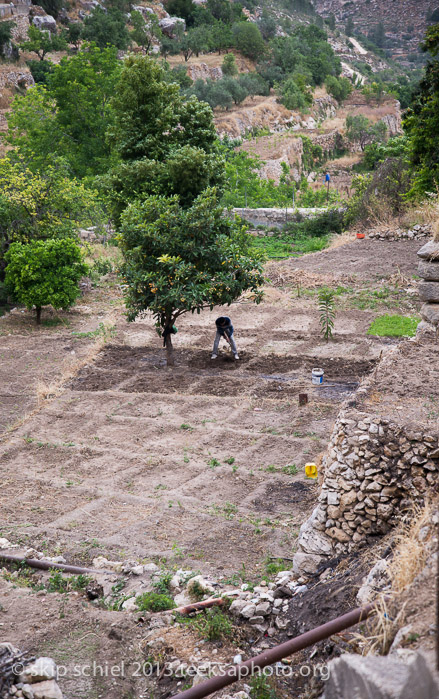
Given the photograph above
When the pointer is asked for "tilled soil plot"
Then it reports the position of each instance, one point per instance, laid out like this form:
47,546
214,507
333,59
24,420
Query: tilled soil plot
200,466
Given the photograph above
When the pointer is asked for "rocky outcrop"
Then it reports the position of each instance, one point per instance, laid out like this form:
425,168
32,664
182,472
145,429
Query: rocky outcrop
169,26
47,23
37,678
202,71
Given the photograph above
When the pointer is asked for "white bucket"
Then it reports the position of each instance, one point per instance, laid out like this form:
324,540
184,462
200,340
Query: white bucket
317,376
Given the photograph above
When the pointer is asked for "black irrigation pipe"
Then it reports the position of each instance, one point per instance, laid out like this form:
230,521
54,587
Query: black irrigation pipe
48,565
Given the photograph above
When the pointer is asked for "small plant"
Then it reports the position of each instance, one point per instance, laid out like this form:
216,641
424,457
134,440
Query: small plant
274,566
57,583
327,312
185,426
230,460
197,591
213,463
162,584
212,625
290,469
154,602
261,689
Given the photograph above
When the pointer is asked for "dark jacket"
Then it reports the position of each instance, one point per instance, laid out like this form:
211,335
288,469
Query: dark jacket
224,326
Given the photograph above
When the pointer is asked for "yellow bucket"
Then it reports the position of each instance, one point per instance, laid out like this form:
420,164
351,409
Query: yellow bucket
311,470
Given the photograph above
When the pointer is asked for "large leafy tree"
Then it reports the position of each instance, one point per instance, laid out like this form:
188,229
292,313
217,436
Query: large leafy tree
166,145
39,206
45,272
107,27
179,260
422,121
70,115
361,130
248,39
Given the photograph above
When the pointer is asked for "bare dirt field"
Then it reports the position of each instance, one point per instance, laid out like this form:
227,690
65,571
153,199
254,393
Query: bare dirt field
200,466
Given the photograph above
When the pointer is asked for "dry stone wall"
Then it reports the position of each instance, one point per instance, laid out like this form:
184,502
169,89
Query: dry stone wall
428,270
416,233
373,470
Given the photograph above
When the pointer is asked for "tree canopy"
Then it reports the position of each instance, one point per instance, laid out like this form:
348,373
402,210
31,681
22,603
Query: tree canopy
166,145
179,260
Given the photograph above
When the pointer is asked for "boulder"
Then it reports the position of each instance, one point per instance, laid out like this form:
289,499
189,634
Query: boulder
41,669
306,563
430,313
169,25
47,23
429,291
358,677
429,251
376,580
143,10
47,690
429,270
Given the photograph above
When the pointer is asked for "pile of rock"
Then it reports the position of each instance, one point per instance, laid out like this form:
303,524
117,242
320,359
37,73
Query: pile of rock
428,270
373,469
35,680
262,607
416,233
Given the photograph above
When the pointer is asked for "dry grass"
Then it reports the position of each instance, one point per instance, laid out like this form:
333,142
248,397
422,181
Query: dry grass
46,391
411,551
409,558
427,212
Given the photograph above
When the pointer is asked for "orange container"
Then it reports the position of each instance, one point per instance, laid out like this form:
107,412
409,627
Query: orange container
360,236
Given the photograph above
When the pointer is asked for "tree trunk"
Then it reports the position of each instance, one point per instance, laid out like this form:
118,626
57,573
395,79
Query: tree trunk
169,350
38,309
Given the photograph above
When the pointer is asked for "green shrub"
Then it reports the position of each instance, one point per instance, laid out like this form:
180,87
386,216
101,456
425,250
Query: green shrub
45,272
163,583
331,221
394,326
154,602
338,88
229,65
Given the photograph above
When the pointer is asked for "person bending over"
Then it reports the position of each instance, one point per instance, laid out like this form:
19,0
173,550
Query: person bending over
224,328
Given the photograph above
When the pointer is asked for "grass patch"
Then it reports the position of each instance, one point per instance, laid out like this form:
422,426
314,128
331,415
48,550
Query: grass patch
394,326
281,246
212,625
154,602
58,583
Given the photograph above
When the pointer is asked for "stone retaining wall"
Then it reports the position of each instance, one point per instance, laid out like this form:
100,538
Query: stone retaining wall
373,470
428,270
275,217
416,233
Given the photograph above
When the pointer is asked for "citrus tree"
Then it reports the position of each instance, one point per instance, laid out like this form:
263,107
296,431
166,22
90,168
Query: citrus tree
45,272
184,259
